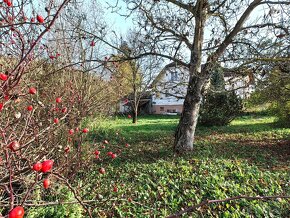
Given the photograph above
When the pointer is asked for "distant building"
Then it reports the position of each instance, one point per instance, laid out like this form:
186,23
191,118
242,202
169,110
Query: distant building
170,86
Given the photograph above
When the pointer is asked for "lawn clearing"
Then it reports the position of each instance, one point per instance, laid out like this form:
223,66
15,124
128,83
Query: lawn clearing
249,157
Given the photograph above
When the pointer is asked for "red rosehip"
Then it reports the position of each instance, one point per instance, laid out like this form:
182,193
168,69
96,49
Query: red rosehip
6,97
46,183
115,189
127,145
85,130
13,146
92,43
37,166
97,152
9,3
109,153
102,170
32,20
56,120
71,132
77,129
3,76
16,212
46,166
1,106
113,156
32,91
30,108
39,19
58,100
67,149
64,110
97,156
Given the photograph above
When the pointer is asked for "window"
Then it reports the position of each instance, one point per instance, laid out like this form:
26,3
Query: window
161,108
174,76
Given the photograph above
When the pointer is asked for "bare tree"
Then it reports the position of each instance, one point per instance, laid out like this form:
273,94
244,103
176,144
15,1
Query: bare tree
136,74
202,35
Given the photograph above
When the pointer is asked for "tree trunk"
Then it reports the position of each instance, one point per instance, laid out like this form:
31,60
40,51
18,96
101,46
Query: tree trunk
184,135
135,115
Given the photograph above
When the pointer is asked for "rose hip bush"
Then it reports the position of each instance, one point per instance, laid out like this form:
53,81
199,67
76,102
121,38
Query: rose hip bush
42,138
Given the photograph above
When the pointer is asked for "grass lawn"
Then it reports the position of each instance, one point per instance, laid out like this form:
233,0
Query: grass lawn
249,157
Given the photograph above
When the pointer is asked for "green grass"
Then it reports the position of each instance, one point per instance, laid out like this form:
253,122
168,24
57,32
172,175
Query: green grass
249,157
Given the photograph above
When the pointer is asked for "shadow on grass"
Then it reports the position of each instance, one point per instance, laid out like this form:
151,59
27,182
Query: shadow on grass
258,143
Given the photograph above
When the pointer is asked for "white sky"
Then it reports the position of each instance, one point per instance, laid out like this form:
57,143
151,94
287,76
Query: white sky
117,22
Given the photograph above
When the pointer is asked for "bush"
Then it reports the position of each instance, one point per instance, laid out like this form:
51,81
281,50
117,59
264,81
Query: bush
219,109
273,90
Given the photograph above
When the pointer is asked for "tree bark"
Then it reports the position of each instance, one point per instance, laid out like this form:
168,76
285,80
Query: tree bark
184,135
135,115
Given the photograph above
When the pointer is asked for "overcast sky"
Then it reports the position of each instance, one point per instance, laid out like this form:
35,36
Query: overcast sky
117,22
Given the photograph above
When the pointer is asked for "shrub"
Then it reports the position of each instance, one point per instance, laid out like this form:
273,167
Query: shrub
274,90
219,108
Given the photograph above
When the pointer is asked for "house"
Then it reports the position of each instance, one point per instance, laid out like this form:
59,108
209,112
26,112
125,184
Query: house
170,86
144,107
169,89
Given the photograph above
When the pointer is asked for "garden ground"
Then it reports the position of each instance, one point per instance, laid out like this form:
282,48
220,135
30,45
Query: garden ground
249,157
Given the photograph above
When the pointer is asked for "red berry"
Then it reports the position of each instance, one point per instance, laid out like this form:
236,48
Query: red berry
39,19
13,146
1,106
32,20
16,212
6,97
9,3
77,129
102,170
109,153
106,142
71,132
130,199
67,149
3,76
85,130
56,120
129,116
97,152
97,156
92,43
46,183
127,145
37,166
58,100
64,110
32,91
113,156
46,166
30,108
115,189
